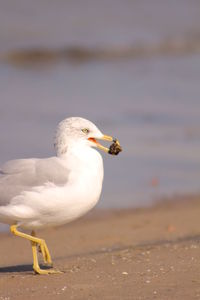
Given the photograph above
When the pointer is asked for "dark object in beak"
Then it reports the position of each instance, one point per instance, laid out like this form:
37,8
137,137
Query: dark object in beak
115,148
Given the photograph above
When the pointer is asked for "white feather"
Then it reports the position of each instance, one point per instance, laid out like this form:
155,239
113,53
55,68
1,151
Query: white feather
37,193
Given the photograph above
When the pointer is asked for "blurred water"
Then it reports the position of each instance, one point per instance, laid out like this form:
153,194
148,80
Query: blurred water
151,104
27,23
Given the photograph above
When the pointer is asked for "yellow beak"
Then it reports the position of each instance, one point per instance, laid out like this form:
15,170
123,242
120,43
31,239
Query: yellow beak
105,138
114,148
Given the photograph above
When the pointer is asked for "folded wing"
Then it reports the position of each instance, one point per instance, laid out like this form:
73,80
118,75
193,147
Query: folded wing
21,175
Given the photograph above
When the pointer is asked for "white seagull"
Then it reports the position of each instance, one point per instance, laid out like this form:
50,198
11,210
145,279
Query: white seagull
40,193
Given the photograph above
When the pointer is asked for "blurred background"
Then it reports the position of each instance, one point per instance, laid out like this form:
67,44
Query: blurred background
130,66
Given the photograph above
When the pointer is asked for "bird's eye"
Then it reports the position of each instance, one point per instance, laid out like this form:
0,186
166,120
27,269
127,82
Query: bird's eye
85,130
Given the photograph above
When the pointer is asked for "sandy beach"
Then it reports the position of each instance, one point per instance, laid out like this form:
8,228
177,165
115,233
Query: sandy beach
149,253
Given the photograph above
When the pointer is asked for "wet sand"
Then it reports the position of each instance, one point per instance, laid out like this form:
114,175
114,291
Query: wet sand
150,253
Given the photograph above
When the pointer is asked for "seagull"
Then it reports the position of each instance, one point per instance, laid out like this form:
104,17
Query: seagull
40,193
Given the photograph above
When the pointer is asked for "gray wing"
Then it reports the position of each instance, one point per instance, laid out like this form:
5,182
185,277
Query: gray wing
24,174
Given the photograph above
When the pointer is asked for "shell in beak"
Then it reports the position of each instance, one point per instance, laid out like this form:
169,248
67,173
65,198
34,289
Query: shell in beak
114,148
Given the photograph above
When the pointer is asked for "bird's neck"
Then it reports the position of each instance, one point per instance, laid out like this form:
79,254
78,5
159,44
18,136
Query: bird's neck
78,155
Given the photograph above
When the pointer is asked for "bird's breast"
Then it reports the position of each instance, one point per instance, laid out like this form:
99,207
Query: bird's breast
83,189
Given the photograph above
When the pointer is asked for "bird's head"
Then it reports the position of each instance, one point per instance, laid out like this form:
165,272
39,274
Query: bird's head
75,129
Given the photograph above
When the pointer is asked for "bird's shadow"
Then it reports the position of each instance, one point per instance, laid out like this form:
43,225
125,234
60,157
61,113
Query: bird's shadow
19,269
16,269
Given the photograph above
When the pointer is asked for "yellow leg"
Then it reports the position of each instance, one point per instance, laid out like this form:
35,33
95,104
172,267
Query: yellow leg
45,252
44,249
36,266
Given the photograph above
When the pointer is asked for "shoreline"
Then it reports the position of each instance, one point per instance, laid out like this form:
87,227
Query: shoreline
144,253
